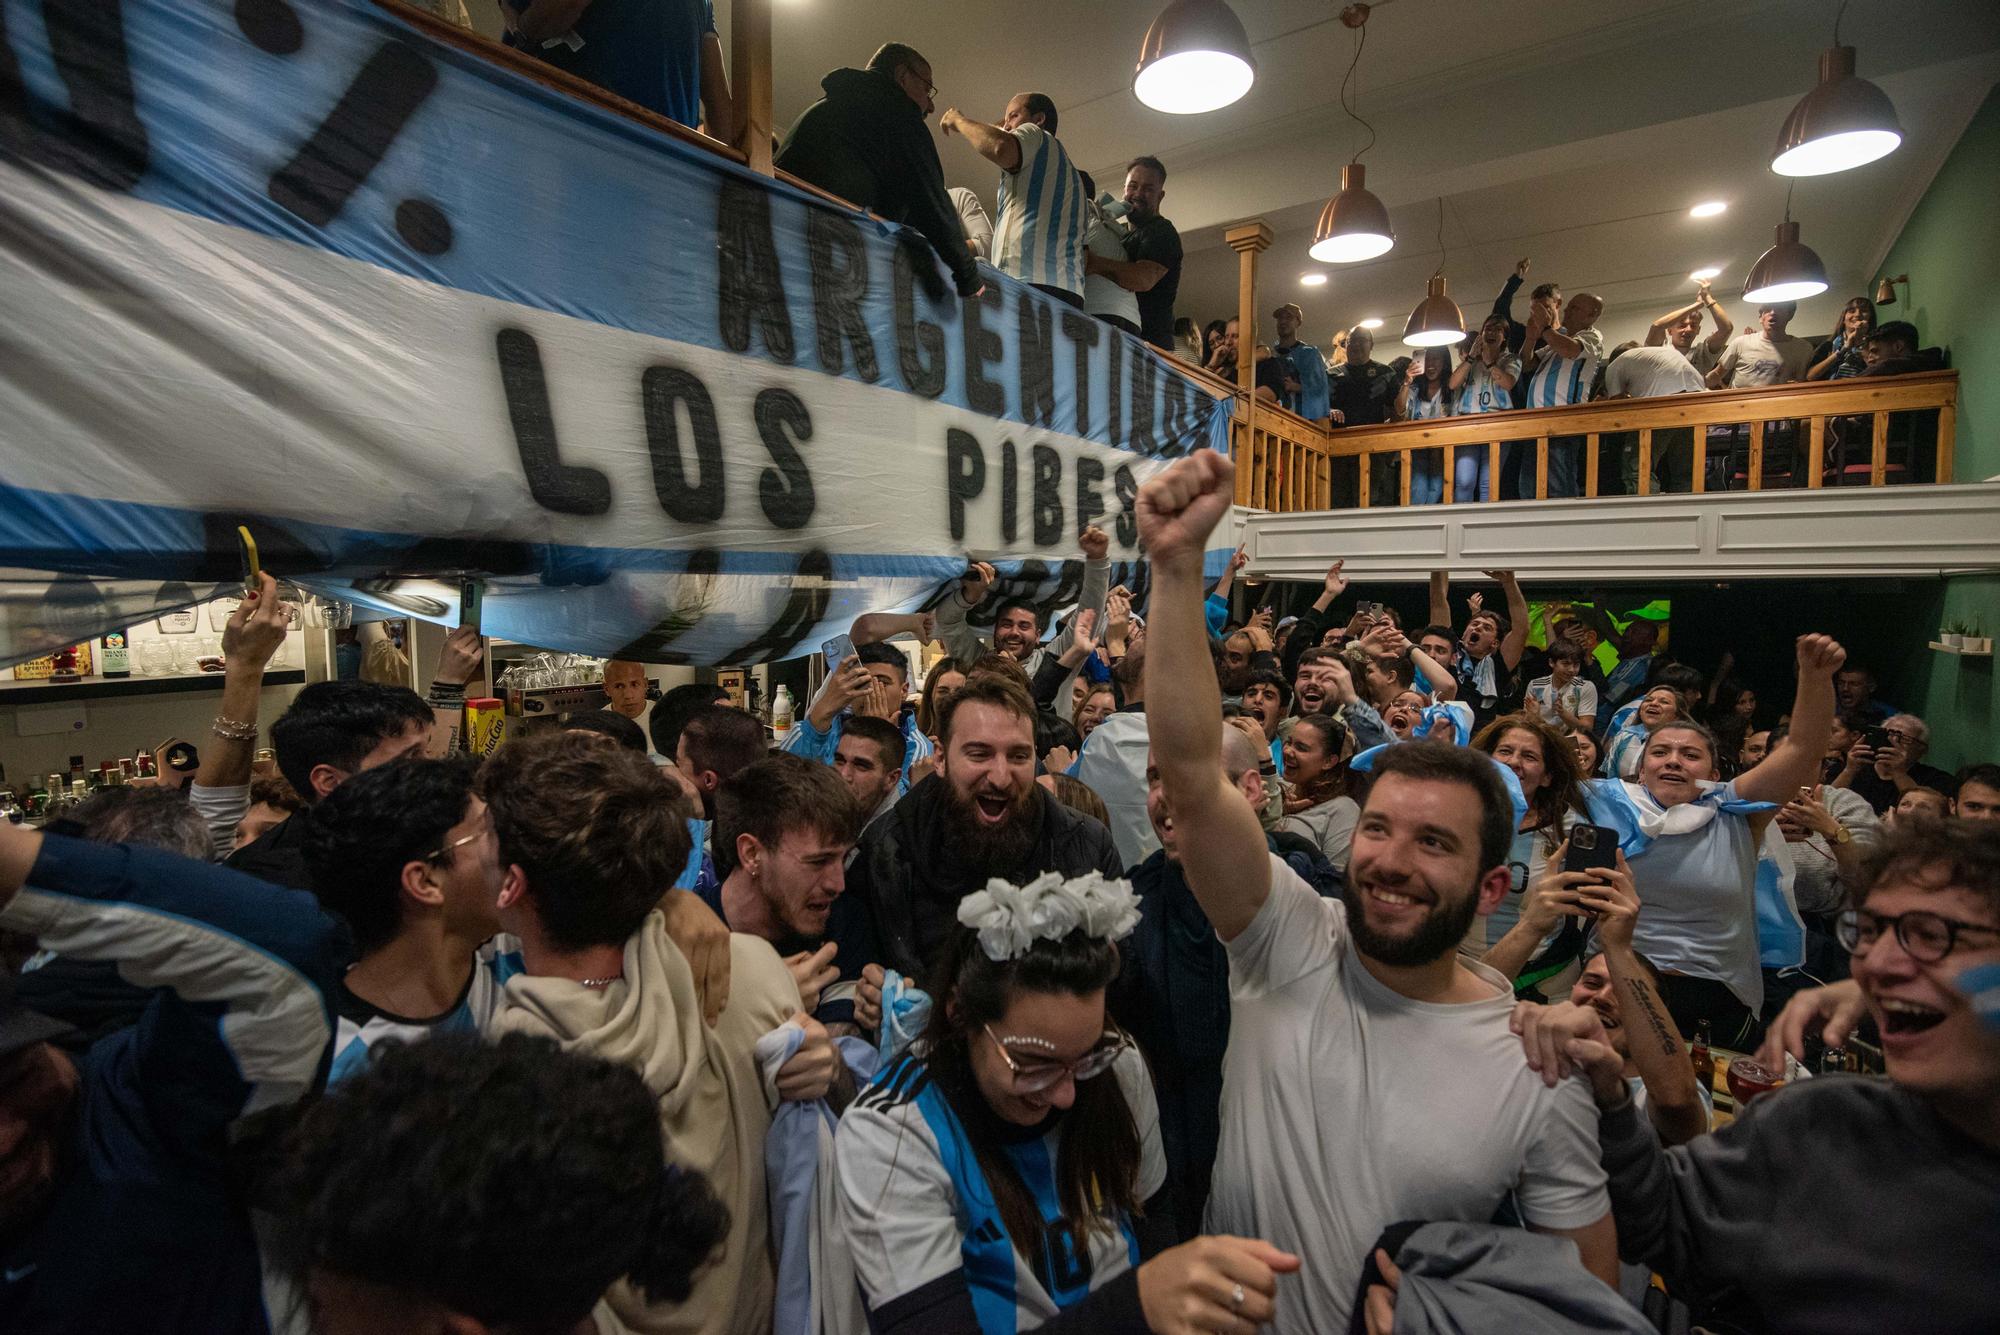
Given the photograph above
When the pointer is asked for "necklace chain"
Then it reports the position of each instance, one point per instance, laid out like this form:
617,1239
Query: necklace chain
600,982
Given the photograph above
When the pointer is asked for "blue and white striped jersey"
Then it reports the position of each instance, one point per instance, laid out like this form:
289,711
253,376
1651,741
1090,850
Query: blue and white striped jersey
1039,235
1481,393
362,1025
916,1206
1428,409
1559,381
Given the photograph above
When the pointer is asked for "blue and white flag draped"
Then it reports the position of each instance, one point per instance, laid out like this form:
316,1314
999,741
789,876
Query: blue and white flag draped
413,316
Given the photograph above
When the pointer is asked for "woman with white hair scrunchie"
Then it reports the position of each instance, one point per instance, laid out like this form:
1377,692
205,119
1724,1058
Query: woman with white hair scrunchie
1006,1172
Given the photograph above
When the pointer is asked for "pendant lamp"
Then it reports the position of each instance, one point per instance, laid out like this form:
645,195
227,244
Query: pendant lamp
1788,271
1437,320
1354,225
1195,58
1842,123
1885,291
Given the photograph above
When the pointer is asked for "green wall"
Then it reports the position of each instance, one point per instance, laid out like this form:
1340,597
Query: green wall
1950,248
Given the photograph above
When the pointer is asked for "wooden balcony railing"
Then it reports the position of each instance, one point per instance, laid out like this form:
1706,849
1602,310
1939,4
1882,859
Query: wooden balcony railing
1289,460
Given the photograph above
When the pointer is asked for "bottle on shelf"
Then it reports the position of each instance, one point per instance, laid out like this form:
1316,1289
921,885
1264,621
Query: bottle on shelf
1703,1059
77,773
781,712
117,655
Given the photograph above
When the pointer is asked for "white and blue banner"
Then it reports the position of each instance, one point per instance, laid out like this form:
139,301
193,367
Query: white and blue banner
413,317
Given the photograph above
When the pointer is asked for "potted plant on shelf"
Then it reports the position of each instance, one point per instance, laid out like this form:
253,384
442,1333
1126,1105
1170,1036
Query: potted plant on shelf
1951,636
1976,640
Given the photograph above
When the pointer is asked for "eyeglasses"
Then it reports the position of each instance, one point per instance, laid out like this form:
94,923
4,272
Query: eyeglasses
444,854
1048,1074
1924,937
930,89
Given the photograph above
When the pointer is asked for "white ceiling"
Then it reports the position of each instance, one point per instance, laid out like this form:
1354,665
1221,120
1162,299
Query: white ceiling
1576,132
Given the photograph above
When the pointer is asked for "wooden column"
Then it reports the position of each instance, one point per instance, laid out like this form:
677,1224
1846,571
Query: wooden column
750,77
1248,240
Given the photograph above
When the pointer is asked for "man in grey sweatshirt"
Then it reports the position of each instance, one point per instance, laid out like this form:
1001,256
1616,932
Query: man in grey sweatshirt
1847,1204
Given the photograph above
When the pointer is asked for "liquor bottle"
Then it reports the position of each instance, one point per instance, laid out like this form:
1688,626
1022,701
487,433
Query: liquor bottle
1703,1059
117,655
77,773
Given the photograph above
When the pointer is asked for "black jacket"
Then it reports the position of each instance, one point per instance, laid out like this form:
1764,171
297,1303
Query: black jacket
904,885
278,855
867,142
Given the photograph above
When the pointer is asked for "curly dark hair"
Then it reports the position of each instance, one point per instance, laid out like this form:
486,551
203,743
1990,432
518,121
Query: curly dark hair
359,839
511,1182
609,724
600,833
1936,855
338,723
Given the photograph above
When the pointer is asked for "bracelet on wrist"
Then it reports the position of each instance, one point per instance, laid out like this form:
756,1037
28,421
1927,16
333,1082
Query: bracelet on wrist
233,730
441,687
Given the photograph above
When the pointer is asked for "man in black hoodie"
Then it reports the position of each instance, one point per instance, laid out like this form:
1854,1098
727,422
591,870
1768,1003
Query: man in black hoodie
983,815
866,141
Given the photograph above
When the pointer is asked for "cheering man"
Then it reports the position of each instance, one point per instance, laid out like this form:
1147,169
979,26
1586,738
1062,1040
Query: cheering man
1371,1077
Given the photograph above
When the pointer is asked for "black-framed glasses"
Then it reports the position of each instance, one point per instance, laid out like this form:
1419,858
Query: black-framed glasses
930,89
1924,937
1046,1073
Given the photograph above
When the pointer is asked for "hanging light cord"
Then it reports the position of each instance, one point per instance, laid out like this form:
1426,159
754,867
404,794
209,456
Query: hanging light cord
1839,14
1440,269
1360,42
1788,197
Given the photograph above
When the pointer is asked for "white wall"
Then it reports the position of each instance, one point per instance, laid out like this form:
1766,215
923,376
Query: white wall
119,727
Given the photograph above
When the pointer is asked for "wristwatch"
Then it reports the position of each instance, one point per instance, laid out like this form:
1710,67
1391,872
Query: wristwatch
1843,835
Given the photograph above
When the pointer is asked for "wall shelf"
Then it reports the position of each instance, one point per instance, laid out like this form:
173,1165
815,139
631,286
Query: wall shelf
1961,653
99,688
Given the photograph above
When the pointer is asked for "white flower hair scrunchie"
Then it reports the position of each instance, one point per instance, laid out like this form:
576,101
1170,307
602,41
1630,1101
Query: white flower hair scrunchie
1011,918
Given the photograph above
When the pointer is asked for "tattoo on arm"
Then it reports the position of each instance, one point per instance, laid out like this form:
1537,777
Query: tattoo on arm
1643,995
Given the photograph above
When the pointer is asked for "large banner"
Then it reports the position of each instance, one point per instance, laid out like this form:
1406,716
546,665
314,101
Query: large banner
414,317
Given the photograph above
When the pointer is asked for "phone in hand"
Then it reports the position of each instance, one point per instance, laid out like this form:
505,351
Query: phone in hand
837,650
1591,848
1878,740
470,602
246,547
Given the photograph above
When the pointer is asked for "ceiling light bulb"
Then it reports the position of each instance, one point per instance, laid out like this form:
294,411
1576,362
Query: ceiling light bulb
1708,209
1842,123
1312,280
1437,320
1788,271
1372,322
1703,275
1195,58
1354,225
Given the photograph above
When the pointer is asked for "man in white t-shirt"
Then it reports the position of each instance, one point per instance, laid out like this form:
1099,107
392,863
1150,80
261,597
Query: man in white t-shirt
1648,373
1766,355
625,688
1760,357
1371,1074
1681,330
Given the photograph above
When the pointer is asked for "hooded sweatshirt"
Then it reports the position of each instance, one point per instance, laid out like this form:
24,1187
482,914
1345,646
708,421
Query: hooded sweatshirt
714,1107
866,142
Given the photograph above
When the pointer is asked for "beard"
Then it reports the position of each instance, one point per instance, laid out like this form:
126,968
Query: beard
1434,938
989,850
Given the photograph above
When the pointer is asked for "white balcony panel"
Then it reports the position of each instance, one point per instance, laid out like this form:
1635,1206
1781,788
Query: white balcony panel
1803,534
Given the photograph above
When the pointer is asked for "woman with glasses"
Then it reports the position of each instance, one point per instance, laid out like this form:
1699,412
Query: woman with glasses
1006,1173
1319,802
1693,846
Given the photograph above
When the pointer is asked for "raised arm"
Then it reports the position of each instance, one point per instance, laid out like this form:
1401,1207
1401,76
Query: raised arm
1724,326
1794,763
1239,559
1516,642
996,145
1440,598
1223,849
1673,1096
961,641
256,631
1656,332
873,627
1096,585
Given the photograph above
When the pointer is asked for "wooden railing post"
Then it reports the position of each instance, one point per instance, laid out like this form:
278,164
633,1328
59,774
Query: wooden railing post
1248,240
750,79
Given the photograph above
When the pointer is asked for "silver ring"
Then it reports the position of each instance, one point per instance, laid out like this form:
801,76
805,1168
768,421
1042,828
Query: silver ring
1236,1298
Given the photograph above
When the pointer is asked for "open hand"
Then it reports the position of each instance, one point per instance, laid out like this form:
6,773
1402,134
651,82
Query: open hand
1834,1010
1336,579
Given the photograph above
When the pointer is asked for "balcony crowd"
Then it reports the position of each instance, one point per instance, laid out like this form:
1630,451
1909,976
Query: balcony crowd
1165,970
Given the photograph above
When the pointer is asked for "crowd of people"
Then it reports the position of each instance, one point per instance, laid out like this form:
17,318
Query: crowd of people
1163,971
1558,358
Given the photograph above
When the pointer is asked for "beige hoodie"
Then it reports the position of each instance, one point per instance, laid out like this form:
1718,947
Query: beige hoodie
714,1107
